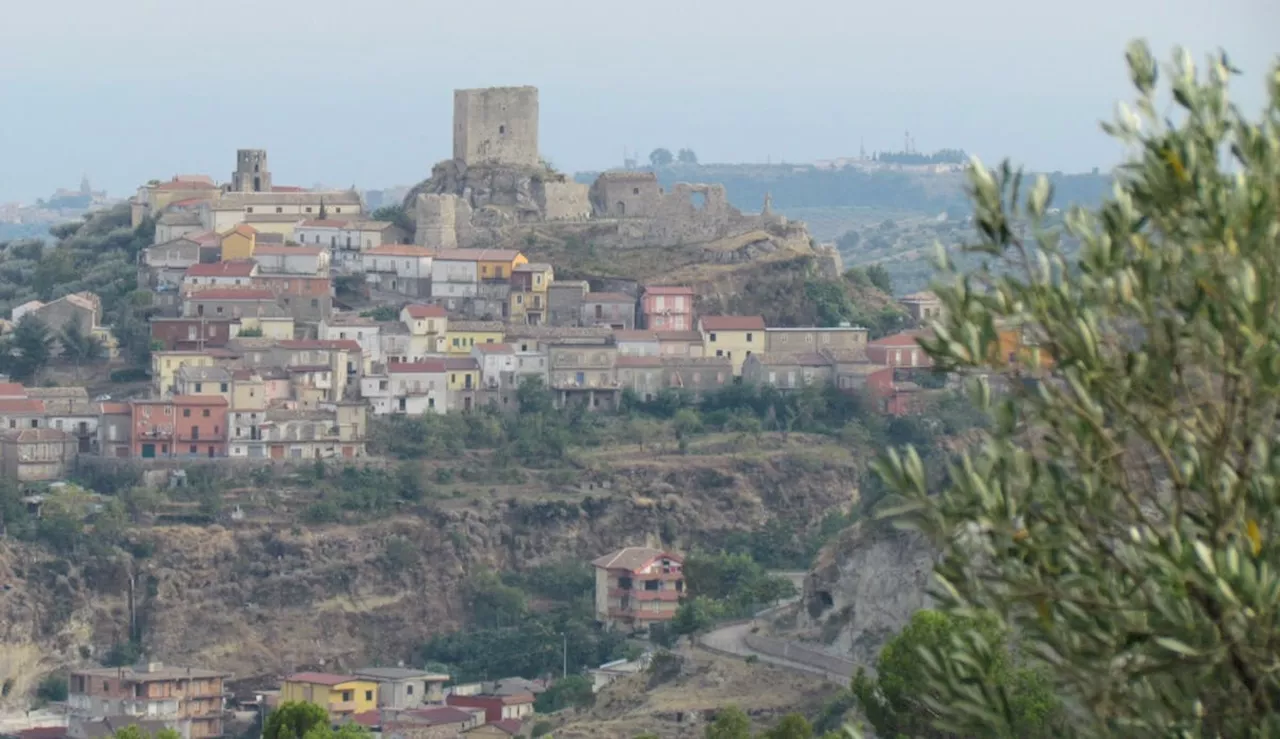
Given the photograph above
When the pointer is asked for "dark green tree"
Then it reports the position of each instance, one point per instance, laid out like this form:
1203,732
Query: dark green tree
79,346
660,158
879,276
28,349
791,726
730,723
573,691
687,156
293,720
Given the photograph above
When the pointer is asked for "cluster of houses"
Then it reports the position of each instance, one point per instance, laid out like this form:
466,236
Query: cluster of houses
254,357
635,587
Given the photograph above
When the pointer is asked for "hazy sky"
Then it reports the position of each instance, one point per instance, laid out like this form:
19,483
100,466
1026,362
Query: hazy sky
360,91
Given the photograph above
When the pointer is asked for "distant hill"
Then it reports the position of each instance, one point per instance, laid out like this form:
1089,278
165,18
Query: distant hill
805,186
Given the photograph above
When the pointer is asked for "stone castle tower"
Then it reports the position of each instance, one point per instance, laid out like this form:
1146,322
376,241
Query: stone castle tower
496,126
252,174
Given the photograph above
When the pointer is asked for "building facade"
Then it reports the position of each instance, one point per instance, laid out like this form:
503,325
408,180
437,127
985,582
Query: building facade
636,586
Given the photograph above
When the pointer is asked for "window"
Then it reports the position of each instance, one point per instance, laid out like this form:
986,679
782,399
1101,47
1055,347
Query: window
205,413
186,413
713,337
337,210
635,191
249,209
219,309
749,337
719,352
315,303
308,209
408,690
193,449
368,695
222,387
346,694
502,130
279,209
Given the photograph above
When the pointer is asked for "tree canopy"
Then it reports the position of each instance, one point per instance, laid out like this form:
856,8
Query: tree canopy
661,158
1121,516
294,720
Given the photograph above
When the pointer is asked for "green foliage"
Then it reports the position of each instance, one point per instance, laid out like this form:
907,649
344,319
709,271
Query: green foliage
397,215
294,720
687,156
562,581
133,731
250,333
541,728
573,691
346,730
696,615
660,158
735,580
1121,517
399,554
52,687
383,313
490,603
27,350
78,346
122,654
730,723
879,276
791,726
898,701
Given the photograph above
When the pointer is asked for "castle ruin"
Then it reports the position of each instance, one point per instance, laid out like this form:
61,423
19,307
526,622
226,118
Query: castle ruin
496,183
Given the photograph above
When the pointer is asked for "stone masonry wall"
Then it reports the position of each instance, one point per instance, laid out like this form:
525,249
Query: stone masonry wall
562,201
496,125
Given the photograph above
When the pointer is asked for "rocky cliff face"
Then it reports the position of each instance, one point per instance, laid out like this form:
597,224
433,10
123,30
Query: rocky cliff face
863,589
265,598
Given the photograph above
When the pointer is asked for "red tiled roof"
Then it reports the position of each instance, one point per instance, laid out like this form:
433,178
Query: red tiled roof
418,310
632,558
461,363
732,323
12,388
668,290
426,365
635,335
319,678
243,229
238,268
347,344
508,725
199,400
625,361
400,250
43,732
188,201
679,336
493,348
368,718
477,255
906,338
272,250
440,716
114,408
607,298
21,405
232,293
324,223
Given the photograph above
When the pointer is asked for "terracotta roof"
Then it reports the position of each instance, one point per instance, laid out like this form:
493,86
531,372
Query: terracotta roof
532,267
477,255
667,290
187,202
243,229
679,336
461,363
635,335
21,405
114,408
426,365
43,732
906,338
186,185
319,678
324,223
232,293
12,388
347,344
494,348
509,726
732,323
399,250
44,434
625,361
199,400
271,250
204,238
607,298
439,716
632,558
490,326
368,718
419,310
239,268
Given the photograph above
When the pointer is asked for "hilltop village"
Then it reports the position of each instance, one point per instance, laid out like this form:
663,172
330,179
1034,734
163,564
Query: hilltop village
253,357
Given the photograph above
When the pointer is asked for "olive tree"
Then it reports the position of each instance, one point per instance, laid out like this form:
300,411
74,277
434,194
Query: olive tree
1121,516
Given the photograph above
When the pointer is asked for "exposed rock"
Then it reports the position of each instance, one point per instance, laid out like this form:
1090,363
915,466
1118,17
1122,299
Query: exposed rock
864,588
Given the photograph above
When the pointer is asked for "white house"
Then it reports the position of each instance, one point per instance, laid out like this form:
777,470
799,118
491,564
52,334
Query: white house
219,274
497,365
399,268
364,331
292,260
455,276
411,388
636,343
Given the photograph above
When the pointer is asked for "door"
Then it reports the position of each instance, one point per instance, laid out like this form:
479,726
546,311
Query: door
148,451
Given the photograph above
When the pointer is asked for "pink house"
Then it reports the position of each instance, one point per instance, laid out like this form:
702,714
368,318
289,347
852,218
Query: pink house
667,308
898,350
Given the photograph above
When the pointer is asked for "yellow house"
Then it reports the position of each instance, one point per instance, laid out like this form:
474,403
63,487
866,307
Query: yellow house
496,264
735,337
165,366
528,300
340,695
248,391
464,373
239,242
462,335
272,327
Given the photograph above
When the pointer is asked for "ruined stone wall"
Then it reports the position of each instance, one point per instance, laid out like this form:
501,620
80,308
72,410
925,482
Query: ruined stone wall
626,195
562,200
437,221
496,125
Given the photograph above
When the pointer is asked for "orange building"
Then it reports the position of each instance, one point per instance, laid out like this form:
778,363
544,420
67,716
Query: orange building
200,423
152,435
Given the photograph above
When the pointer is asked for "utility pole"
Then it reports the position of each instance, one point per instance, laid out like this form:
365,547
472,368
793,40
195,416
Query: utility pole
564,655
